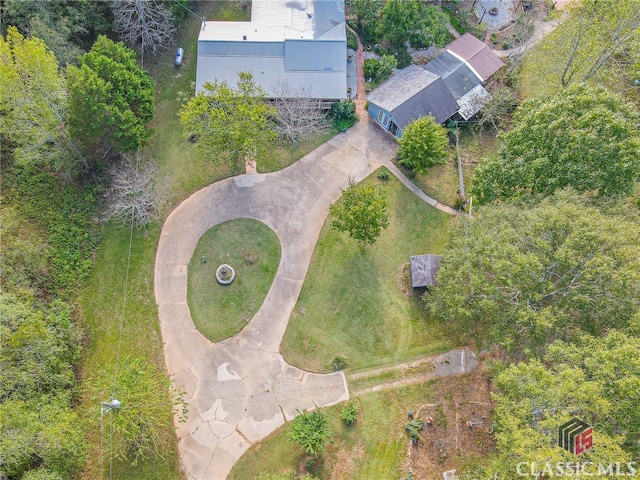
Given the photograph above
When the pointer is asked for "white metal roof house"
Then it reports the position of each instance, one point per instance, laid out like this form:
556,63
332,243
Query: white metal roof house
450,84
300,43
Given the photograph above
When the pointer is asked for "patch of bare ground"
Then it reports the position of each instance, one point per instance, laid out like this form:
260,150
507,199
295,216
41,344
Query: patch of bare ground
460,426
344,462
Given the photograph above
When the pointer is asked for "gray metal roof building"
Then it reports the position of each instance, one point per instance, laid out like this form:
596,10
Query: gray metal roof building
462,82
301,43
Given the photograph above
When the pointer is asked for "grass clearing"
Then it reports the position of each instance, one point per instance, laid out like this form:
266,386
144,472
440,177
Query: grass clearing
374,447
441,182
101,303
253,250
353,302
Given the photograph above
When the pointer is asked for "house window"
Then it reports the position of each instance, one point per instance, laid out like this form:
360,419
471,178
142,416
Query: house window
383,118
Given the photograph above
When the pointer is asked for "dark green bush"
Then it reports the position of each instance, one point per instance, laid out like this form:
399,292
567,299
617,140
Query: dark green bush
343,114
338,363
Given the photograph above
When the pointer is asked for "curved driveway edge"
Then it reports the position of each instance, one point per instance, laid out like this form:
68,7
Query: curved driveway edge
240,390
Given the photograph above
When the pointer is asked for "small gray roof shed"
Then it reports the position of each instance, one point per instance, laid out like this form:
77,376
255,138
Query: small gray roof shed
424,269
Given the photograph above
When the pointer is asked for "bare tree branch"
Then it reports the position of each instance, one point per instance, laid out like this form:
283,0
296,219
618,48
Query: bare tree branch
134,196
299,117
143,24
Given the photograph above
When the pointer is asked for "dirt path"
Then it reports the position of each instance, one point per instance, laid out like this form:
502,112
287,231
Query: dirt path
453,362
362,93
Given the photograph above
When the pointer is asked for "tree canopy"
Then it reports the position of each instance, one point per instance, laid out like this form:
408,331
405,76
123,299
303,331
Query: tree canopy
33,102
423,144
362,212
523,274
583,137
410,20
227,122
596,379
110,99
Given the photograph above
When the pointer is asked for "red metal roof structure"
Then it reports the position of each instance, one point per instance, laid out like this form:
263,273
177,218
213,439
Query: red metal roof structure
476,54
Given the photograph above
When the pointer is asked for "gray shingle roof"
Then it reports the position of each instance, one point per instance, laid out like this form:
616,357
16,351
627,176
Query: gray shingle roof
424,269
458,77
413,93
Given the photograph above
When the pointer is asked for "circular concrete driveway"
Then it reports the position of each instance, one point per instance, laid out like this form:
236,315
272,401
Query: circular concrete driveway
240,390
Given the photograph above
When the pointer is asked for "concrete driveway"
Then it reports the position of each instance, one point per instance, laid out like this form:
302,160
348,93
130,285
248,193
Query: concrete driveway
240,390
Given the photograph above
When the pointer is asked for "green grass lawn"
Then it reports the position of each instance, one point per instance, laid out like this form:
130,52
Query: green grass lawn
375,447
101,306
253,250
351,303
441,182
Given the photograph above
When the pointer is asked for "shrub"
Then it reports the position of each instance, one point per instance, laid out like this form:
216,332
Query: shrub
338,363
343,114
383,175
414,428
349,413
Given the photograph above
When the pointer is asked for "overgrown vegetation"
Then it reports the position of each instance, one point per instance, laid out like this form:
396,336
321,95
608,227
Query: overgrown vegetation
343,114
521,275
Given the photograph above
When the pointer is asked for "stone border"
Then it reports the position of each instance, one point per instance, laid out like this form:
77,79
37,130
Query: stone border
222,281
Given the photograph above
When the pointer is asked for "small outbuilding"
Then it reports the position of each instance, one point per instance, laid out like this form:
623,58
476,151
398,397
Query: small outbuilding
424,269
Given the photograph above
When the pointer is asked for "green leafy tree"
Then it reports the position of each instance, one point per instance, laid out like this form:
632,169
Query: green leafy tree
232,123
584,137
432,29
523,274
110,100
399,18
136,427
423,144
42,432
594,378
377,71
65,26
362,212
533,400
366,13
410,20
311,431
33,102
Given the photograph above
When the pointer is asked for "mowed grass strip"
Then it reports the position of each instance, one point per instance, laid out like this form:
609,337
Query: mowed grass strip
352,304
253,250
375,447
